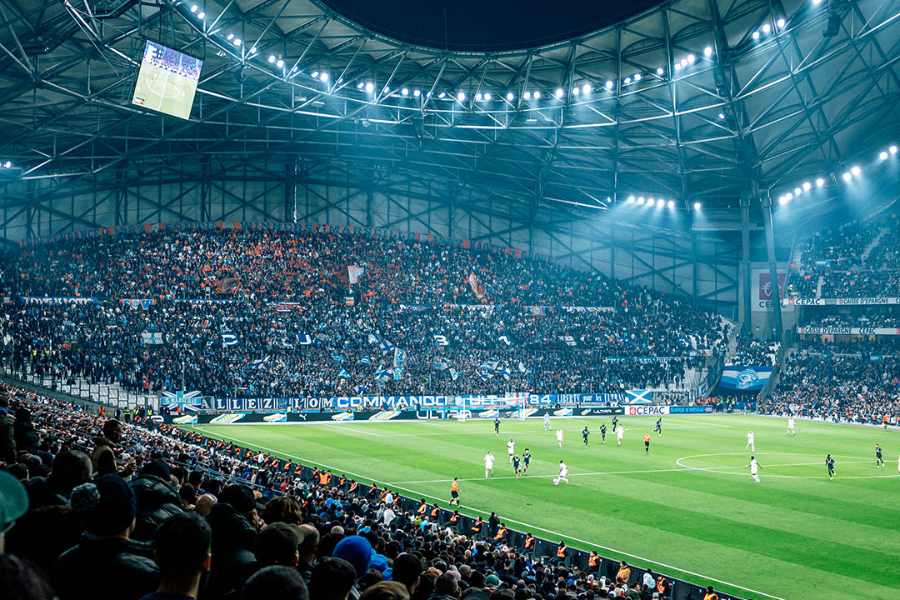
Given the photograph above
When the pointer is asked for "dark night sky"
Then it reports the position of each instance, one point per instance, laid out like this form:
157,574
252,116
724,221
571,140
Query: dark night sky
486,24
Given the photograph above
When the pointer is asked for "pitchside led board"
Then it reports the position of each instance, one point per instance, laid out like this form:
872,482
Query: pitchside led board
167,81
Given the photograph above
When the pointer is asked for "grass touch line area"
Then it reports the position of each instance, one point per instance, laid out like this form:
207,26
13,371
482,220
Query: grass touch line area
688,507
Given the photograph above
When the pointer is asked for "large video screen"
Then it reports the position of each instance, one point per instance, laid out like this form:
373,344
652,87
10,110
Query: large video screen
167,81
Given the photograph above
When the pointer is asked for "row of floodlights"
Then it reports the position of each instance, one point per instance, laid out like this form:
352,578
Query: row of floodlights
849,175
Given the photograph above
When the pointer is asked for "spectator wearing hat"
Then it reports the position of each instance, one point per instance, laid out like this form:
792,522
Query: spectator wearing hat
13,504
126,568
357,551
181,551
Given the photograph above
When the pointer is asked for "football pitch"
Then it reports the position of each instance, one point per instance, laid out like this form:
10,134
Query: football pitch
164,91
689,508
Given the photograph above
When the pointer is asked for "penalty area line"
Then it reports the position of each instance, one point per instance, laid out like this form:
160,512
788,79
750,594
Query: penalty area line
526,525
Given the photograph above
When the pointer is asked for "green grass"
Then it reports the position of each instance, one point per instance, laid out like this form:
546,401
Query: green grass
795,535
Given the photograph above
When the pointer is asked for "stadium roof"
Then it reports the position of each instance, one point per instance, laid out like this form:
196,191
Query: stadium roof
691,100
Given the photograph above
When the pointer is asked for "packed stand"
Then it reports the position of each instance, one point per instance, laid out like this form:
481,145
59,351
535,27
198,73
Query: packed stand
292,331
104,509
750,351
850,381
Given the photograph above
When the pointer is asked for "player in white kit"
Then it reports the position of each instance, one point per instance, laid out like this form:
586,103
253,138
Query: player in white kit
791,426
754,469
620,435
563,473
547,422
488,465
750,442
511,448
559,437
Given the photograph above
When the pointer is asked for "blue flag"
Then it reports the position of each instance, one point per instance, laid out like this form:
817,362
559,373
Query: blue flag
229,339
344,374
259,364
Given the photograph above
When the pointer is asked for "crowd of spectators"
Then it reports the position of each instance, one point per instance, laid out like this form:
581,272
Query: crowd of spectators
290,286
883,317
104,509
756,352
857,381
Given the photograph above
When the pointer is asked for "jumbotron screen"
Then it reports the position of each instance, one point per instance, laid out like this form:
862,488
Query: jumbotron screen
167,81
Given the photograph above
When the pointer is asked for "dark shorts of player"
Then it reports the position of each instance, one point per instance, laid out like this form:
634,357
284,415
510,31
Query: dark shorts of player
454,494
647,444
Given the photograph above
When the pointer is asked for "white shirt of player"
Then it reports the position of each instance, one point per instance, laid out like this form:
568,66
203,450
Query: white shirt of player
750,437
754,467
563,469
559,435
511,447
620,432
790,423
488,461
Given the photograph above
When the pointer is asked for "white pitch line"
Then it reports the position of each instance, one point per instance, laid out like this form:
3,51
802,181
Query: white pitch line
344,427
526,525
552,476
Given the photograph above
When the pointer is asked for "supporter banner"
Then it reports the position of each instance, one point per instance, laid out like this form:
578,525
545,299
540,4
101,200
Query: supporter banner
152,338
840,301
849,330
138,303
56,300
687,410
207,300
761,290
583,399
339,403
285,306
181,398
638,397
645,359
646,410
588,309
738,377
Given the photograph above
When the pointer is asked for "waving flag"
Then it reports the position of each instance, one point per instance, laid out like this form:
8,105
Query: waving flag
568,339
229,339
491,365
344,374
505,372
398,374
504,339
359,389
453,374
440,340
354,273
381,374
399,358
374,339
259,364
522,368
365,360
440,365
473,283
337,357
484,376
386,346
304,339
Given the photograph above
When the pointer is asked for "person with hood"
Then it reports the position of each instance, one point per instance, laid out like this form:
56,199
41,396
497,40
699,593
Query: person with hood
7,435
234,524
127,572
157,499
26,436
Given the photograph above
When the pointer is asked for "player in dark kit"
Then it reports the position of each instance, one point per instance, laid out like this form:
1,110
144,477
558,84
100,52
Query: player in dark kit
526,458
584,435
516,462
615,423
603,432
879,462
829,462
496,425
658,429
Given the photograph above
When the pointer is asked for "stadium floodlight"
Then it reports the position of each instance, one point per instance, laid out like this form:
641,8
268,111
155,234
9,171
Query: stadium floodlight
847,176
707,52
820,182
766,28
340,80
280,63
721,116
478,97
559,92
691,58
609,84
7,164
797,191
229,37
417,93
254,50
370,87
627,81
856,171
630,199
386,89
537,95
884,155
816,2
677,66
461,96
442,95
789,196
510,96
586,88
576,90
807,186
893,149
527,95
660,203
780,23
782,200
650,201
641,200
755,35
360,85
405,91
683,62
637,76
660,71
671,203
238,41
194,8
314,74
272,59
201,15
488,97
324,77
428,94
697,206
